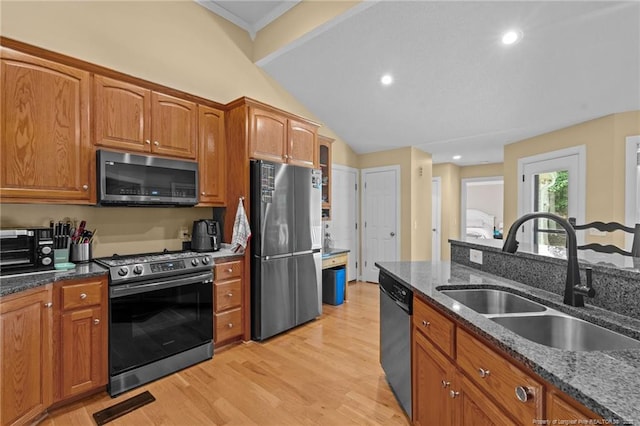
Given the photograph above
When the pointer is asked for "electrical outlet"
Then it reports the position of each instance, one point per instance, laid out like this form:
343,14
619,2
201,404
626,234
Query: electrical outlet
475,256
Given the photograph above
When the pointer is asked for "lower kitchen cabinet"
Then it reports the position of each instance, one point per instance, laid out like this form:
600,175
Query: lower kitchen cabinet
227,302
25,360
82,359
458,379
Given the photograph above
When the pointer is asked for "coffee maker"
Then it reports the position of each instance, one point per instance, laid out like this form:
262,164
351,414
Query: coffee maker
205,235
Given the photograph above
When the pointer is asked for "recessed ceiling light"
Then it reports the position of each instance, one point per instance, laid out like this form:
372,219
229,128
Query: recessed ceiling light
457,157
511,37
386,79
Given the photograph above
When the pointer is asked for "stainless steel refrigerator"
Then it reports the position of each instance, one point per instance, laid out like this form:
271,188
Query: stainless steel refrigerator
286,265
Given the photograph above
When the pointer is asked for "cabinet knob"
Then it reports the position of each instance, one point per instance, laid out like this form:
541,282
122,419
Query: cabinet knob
426,323
96,321
48,305
483,373
230,295
202,193
230,270
454,394
156,143
445,384
147,141
523,393
85,186
230,325
286,156
83,296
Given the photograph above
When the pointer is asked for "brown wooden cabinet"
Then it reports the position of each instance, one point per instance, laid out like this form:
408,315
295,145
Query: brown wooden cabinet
25,359
132,118
212,162
459,379
82,352
45,153
274,136
227,302
324,162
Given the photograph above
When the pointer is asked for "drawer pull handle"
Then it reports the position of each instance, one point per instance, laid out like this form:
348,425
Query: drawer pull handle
230,295
483,373
445,384
426,323
48,305
83,296
96,321
229,270
523,393
453,394
230,325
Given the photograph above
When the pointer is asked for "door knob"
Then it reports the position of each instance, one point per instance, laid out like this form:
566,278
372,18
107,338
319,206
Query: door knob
393,234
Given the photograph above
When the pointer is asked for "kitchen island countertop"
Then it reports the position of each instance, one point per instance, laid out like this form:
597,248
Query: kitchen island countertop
606,382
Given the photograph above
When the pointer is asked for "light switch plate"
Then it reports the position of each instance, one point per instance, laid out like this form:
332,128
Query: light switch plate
475,256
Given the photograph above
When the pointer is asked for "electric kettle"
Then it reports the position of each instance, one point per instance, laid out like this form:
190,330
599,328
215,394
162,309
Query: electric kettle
205,235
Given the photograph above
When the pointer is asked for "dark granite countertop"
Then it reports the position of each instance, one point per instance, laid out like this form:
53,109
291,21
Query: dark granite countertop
10,284
606,382
334,252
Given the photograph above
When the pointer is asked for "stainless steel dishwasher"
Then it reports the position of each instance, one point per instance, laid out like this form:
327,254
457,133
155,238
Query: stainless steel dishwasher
396,307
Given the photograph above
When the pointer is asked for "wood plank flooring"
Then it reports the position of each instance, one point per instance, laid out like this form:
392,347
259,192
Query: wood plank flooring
326,372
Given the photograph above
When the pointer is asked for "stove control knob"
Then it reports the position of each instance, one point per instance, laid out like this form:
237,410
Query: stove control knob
205,260
194,262
137,269
123,271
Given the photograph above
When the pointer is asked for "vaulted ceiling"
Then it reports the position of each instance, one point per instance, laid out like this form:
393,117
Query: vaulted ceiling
457,89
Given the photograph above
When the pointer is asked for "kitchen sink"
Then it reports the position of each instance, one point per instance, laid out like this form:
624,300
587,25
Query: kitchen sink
566,333
487,301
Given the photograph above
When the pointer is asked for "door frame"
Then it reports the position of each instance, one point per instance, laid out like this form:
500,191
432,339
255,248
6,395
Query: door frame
356,252
581,152
363,172
631,184
463,199
438,219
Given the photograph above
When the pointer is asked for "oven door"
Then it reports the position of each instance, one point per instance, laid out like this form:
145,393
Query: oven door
150,321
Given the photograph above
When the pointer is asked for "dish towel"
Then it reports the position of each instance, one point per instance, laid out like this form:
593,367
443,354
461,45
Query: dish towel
241,229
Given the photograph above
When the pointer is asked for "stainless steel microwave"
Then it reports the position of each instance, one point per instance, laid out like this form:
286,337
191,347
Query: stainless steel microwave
144,180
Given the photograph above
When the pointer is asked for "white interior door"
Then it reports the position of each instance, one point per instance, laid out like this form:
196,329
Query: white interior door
344,214
552,184
436,219
381,201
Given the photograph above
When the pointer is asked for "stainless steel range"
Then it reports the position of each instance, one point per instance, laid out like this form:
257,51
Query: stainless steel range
160,315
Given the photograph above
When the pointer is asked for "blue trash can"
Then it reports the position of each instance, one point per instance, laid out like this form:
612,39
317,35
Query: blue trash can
333,282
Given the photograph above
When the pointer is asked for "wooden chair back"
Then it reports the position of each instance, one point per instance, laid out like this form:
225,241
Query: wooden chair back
610,227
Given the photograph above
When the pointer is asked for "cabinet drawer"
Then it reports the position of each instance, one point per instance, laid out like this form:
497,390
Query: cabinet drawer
434,325
335,260
227,270
227,295
81,294
500,379
228,325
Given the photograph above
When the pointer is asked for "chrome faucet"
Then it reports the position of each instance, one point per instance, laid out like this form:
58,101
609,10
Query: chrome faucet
574,290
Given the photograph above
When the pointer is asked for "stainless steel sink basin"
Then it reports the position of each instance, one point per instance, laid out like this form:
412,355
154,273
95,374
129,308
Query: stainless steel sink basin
566,333
486,301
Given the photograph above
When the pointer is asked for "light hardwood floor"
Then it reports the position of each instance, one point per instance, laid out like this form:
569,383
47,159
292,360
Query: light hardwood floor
326,372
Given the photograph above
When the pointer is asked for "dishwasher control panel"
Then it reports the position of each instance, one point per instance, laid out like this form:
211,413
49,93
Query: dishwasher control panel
396,291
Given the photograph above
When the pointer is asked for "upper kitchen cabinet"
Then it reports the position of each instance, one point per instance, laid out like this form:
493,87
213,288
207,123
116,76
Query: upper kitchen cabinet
132,118
324,146
122,115
45,151
212,156
279,137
